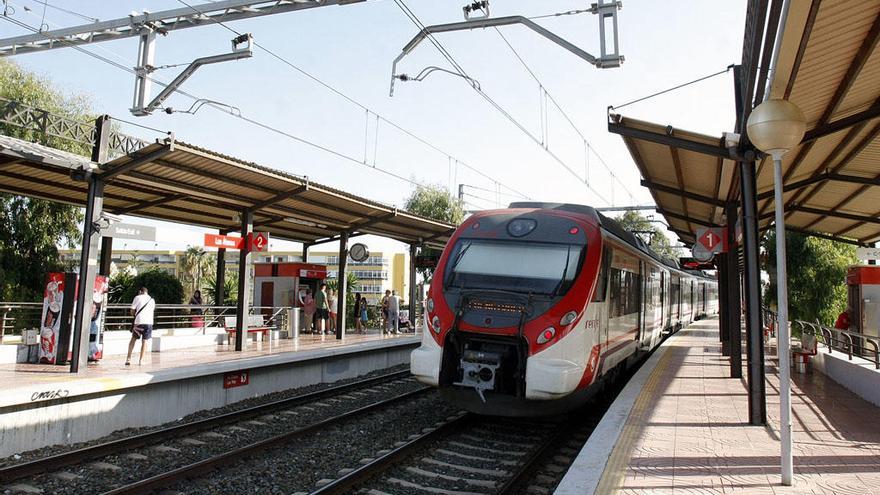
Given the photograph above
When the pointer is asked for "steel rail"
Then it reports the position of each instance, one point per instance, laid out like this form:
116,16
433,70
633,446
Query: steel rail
362,474
30,468
536,455
230,457
348,482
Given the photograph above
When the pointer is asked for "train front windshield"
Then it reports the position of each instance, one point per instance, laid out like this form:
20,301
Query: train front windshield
526,267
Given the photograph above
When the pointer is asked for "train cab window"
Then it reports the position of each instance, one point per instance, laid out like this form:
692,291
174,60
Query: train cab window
602,280
524,267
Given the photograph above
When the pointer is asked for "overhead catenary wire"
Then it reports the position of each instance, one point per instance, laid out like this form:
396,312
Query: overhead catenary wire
699,79
547,96
448,56
228,110
355,102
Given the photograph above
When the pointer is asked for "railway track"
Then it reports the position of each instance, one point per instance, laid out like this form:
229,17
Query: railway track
468,455
116,449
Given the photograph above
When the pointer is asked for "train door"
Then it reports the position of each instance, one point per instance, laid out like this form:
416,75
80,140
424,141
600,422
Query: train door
624,306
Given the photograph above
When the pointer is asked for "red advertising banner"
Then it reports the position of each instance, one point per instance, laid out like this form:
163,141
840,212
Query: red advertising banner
223,241
50,321
96,329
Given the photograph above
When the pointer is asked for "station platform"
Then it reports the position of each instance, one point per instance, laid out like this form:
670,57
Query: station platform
46,405
681,427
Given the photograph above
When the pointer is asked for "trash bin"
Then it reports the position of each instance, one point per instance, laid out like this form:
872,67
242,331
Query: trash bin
293,323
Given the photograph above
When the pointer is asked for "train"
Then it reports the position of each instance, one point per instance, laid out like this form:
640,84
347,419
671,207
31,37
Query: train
532,309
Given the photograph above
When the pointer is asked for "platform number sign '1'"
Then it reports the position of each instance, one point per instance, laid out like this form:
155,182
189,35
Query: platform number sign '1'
710,241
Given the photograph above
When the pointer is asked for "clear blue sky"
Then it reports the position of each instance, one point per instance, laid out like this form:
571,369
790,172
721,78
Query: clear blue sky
352,47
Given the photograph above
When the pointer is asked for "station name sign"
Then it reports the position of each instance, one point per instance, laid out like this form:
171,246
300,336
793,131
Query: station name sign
871,253
256,241
130,231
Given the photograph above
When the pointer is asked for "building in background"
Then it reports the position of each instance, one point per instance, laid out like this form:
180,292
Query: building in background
380,272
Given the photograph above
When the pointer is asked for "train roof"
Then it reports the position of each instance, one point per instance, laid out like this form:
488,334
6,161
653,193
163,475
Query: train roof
609,224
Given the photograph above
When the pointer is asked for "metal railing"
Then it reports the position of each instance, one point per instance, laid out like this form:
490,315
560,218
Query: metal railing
16,316
834,339
851,343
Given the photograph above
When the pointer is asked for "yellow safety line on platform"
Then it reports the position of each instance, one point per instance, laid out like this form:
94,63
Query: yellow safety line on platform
615,469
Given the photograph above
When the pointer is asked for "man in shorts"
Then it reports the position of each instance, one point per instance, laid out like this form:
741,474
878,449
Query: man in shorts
142,308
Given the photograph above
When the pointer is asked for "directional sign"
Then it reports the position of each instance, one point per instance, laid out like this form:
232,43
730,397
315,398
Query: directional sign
258,241
223,241
130,231
711,238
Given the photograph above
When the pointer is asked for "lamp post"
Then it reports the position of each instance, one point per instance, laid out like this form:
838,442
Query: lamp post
775,127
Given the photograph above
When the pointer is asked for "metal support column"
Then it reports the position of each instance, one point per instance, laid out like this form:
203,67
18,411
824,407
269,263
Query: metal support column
341,285
306,252
754,330
88,268
723,306
732,289
88,265
242,310
106,256
220,278
413,292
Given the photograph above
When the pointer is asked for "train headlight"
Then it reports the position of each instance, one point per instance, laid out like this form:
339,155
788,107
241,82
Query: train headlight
435,324
546,335
521,226
568,318
430,305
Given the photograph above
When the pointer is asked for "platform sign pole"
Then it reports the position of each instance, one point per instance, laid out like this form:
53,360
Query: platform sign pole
413,252
244,281
220,278
106,256
782,337
341,279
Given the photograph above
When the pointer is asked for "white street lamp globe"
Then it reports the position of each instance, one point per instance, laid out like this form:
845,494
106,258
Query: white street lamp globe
776,126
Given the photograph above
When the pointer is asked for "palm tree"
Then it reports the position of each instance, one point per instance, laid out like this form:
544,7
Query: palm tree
195,263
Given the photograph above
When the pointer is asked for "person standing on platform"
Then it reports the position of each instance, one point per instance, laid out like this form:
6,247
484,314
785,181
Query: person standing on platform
331,307
321,311
364,314
196,300
308,309
358,324
142,308
385,311
394,313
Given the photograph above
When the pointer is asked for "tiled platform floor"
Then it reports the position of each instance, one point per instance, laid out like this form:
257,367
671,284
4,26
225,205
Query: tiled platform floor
688,431
114,365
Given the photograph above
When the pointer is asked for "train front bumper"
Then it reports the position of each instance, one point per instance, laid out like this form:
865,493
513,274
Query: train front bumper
425,361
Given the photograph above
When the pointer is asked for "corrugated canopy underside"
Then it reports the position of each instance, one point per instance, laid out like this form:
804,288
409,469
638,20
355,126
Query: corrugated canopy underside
185,184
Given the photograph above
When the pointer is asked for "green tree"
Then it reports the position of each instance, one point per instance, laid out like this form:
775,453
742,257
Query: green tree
641,226
351,283
433,201
196,265
230,289
164,287
816,275
31,229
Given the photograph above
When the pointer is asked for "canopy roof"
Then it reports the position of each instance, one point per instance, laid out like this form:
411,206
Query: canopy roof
828,65
178,182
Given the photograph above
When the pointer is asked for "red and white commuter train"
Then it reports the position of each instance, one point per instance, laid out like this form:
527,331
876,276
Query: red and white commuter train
531,305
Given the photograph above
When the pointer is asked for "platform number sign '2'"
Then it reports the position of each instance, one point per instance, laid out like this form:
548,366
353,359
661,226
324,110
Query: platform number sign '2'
259,241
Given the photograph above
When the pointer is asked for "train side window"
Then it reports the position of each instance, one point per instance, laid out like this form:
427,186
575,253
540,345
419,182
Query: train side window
602,281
